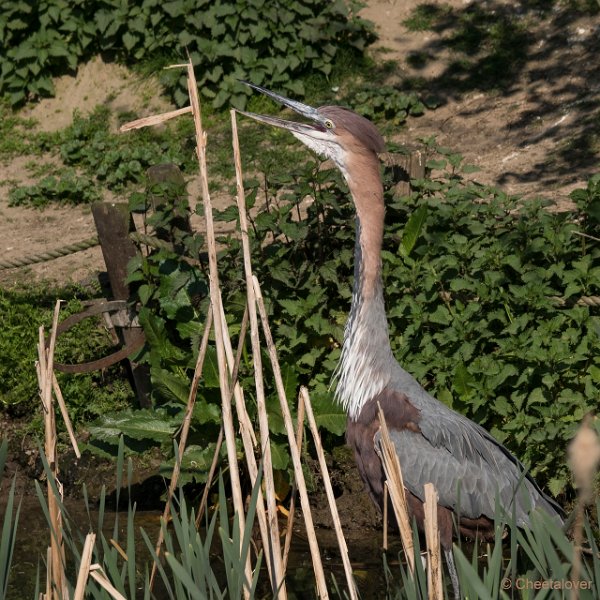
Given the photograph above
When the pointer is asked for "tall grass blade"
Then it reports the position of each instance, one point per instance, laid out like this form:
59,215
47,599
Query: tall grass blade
8,536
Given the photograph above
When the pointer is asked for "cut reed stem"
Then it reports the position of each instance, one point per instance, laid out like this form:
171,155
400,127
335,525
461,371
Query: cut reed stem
215,298
294,450
84,566
219,443
432,539
56,587
341,540
274,554
292,511
393,473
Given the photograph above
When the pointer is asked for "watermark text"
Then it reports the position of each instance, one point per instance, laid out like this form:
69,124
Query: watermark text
522,583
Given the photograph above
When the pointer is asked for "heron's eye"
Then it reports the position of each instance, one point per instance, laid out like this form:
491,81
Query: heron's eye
329,124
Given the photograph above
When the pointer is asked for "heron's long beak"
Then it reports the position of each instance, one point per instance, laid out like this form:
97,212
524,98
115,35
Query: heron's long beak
302,109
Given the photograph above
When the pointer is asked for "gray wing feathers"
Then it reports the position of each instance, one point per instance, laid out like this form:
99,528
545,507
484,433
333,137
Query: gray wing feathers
468,468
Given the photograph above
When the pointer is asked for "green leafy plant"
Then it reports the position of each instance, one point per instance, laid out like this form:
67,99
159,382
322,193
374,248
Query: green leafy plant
386,104
482,293
69,188
89,394
9,525
96,158
249,39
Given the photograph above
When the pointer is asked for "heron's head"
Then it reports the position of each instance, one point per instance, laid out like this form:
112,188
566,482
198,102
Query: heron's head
334,132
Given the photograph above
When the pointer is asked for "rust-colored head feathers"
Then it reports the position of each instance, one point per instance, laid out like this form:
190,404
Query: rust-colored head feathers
335,132
359,127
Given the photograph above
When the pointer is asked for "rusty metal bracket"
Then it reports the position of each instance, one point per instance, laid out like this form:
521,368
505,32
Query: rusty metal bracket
116,313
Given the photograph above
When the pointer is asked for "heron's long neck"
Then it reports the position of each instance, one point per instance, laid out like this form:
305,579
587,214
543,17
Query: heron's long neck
366,359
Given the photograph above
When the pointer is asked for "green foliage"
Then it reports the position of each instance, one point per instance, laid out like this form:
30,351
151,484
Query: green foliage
485,312
386,104
190,566
482,296
66,189
88,395
96,156
249,39
8,528
114,160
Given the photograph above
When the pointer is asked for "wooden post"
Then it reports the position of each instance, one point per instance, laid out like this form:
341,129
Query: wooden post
404,168
113,223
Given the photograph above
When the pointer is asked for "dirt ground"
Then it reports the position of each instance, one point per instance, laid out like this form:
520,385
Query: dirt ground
532,139
539,137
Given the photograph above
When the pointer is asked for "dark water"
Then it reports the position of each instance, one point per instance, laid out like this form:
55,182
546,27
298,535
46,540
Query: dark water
33,539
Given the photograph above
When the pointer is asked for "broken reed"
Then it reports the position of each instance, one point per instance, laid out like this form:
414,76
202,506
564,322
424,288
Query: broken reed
267,515
255,450
57,588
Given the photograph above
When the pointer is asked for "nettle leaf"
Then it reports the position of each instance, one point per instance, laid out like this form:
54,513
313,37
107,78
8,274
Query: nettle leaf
280,456
412,230
463,380
207,412
328,413
171,386
139,425
195,464
210,372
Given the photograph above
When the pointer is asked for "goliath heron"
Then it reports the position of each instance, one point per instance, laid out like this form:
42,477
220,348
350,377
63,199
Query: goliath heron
471,471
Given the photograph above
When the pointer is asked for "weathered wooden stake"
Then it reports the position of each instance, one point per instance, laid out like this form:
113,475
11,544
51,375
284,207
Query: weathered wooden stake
114,223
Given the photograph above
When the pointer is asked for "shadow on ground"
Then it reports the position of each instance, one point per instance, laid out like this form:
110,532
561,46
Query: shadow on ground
537,59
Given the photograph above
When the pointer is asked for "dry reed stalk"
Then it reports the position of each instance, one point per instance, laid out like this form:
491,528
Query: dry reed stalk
393,473
290,519
215,298
215,460
385,515
294,450
98,575
244,421
278,583
249,442
185,429
432,538
84,567
584,457
330,496
45,372
65,415
154,119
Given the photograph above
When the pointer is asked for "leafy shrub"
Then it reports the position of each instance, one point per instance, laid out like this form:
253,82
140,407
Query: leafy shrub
95,156
89,394
66,189
485,312
252,39
114,160
483,302
386,104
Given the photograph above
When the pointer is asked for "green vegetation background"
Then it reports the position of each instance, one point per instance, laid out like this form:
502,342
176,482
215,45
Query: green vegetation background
483,292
